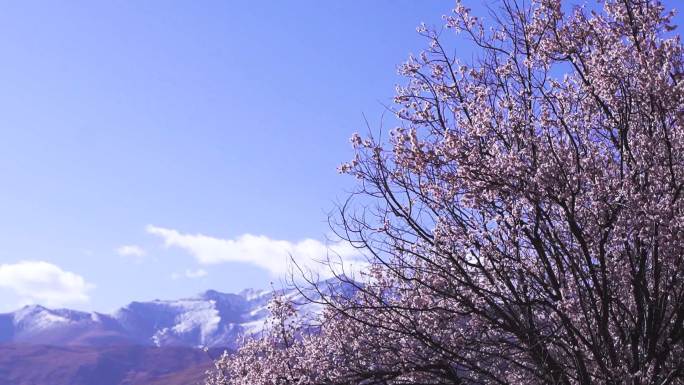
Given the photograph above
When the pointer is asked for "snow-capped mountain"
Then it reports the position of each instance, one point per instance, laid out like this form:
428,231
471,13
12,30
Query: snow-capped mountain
210,319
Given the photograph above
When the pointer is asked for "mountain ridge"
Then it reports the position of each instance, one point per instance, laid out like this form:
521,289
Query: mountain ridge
209,319
144,342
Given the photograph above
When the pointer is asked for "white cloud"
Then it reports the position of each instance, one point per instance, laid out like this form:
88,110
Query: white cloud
131,251
262,251
192,274
44,283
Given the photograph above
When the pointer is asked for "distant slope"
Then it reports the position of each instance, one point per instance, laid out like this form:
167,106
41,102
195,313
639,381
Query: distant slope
113,365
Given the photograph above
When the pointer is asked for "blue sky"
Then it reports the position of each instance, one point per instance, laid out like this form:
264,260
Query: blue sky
158,149
216,118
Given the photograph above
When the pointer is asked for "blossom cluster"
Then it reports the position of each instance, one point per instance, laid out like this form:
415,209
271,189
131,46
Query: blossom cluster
527,224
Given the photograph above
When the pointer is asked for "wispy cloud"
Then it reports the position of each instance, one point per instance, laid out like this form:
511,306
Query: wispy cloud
44,283
270,254
131,251
199,273
192,274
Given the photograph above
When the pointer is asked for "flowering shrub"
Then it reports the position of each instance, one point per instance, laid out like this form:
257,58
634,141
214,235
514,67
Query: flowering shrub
527,224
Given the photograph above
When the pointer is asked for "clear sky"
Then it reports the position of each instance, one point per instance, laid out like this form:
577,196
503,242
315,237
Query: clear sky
156,149
219,118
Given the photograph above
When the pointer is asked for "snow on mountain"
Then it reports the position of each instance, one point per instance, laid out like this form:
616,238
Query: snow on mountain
210,319
37,318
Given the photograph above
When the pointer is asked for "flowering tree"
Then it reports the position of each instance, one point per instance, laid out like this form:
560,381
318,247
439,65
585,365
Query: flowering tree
528,225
